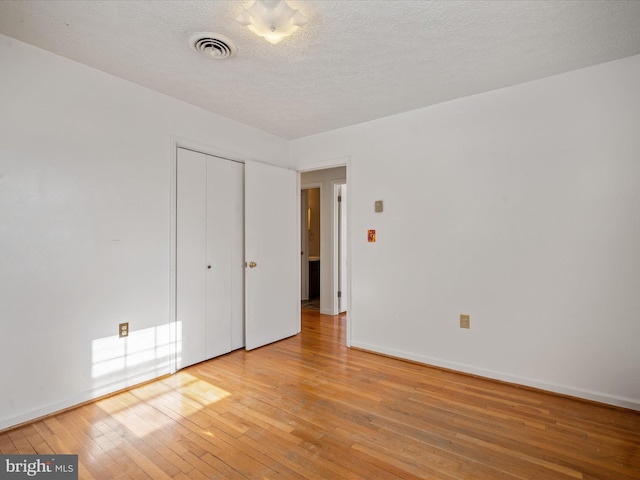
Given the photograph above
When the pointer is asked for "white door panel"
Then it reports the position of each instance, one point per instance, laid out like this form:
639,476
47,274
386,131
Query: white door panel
209,256
237,258
225,251
191,274
272,242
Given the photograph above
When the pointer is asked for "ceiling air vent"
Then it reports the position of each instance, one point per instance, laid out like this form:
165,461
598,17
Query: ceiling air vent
213,45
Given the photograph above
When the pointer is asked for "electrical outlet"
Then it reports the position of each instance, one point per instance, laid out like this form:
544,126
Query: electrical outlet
464,321
124,330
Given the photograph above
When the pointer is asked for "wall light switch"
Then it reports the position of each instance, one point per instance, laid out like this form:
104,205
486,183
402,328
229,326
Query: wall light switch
378,205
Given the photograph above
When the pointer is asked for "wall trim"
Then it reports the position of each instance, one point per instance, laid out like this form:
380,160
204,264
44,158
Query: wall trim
549,387
83,398
343,161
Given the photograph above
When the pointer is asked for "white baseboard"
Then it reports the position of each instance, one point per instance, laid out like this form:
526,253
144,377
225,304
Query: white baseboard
630,403
83,397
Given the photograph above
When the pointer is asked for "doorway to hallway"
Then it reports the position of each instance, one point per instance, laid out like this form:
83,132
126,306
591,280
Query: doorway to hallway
310,235
323,236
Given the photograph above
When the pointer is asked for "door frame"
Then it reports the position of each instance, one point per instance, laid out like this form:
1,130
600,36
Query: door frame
323,165
304,254
309,186
337,249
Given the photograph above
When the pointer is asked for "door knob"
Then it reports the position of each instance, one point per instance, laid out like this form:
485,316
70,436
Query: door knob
253,264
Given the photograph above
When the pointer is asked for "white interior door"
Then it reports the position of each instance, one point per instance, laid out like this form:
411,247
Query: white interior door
272,279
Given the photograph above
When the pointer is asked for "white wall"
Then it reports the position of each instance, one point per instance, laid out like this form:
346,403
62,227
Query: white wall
325,179
520,207
84,226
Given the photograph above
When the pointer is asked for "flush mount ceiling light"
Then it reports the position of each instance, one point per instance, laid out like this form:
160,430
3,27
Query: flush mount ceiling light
272,19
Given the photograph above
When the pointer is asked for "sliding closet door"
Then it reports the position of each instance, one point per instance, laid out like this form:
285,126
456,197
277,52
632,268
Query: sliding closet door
225,256
191,257
210,251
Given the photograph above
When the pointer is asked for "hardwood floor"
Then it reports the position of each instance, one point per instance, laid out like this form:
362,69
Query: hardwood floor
308,408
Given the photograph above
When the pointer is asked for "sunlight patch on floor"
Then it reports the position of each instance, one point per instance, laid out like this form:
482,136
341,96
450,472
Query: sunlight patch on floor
149,408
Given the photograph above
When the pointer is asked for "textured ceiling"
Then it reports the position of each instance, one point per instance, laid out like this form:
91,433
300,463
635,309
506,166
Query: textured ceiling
354,61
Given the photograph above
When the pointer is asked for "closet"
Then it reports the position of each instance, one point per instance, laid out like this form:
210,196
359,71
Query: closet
209,256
